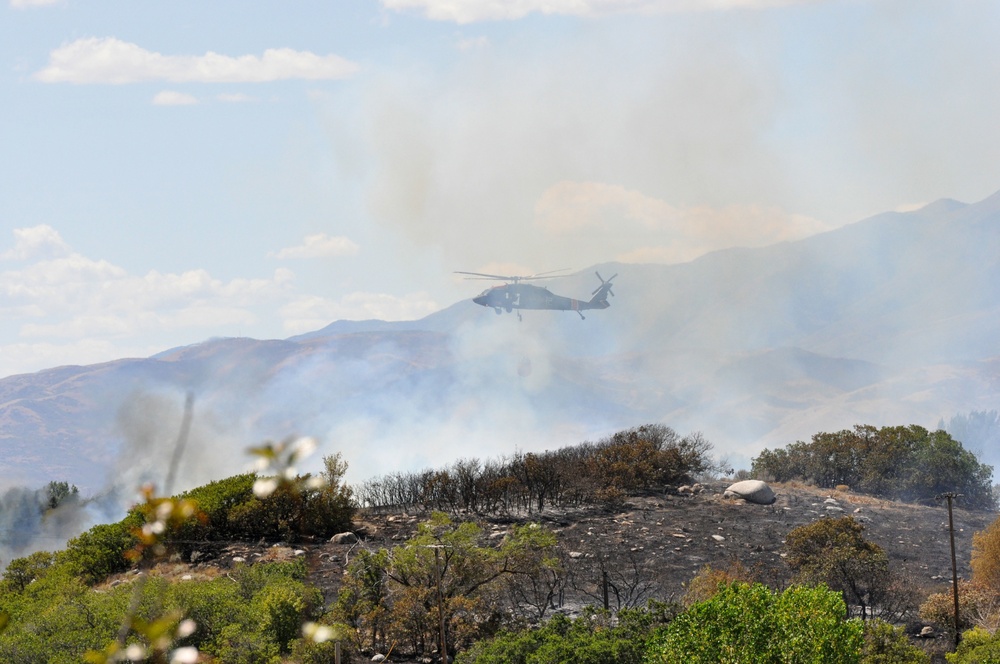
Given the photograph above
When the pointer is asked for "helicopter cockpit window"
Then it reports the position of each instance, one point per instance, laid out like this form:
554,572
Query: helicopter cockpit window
485,292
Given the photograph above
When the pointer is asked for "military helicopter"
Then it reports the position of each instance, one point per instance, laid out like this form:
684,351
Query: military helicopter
517,295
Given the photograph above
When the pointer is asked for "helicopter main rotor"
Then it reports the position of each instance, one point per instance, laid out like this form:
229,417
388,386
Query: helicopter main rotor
515,278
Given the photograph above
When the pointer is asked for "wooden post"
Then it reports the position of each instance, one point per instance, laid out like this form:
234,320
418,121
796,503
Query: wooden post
954,565
954,568
437,574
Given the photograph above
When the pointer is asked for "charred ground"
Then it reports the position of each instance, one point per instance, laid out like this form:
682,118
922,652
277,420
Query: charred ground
659,542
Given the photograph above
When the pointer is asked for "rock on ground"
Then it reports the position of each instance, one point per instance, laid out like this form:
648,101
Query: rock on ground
752,491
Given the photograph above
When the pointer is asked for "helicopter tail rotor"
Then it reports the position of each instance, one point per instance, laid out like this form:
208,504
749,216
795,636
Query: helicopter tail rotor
605,284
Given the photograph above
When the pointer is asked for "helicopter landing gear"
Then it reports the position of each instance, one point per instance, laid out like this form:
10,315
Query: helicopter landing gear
498,310
519,316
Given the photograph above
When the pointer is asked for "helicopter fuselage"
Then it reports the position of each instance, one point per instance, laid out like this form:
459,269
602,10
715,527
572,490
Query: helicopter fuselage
527,296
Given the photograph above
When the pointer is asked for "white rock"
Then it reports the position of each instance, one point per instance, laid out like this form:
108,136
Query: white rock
718,538
344,538
752,491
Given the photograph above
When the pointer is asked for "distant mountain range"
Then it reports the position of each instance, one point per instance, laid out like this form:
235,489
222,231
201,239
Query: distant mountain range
891,320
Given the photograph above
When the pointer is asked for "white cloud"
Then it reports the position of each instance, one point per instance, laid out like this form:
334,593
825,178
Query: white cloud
236,98
470,11
113,61
172,98
36,242
309,312
641,228
61,307
319,245
22,4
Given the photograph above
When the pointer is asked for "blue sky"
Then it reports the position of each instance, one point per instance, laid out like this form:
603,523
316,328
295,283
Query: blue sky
178,171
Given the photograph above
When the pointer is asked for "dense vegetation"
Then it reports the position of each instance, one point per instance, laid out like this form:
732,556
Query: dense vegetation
900,463
104,599
253,614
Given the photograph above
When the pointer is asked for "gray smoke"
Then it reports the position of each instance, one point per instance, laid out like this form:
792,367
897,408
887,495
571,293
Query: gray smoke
28,523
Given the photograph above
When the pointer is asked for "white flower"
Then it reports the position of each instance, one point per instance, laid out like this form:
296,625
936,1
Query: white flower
316,482
164,509
303,447
264,487
186,628
154,528
316,632
135,652
185,655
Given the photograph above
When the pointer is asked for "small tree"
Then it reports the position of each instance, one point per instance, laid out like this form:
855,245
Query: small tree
833,552
399,594
60,492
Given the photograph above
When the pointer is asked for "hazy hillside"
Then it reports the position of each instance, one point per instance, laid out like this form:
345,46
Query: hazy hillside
891,320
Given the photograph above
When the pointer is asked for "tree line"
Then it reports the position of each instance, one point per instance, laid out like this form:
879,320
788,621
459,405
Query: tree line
651,456
906,463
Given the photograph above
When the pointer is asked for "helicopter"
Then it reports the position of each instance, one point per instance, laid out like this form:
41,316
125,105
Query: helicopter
517,295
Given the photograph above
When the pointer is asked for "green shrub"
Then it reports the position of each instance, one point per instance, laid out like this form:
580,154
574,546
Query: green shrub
240,645
747,623
594,638
885,644
977,646
100,552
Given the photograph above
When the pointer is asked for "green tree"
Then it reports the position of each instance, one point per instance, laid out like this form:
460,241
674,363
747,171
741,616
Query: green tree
393,595
834,552
22,571
58,493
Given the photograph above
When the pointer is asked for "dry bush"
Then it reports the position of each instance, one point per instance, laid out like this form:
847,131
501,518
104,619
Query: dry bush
986,556
705,585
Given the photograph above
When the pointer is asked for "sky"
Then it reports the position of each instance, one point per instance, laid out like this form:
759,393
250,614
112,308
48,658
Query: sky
178,171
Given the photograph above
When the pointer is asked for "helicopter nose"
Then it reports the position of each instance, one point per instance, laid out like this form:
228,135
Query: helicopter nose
480,300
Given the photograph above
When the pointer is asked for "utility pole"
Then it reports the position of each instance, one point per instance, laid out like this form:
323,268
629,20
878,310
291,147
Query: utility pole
954,565
437,575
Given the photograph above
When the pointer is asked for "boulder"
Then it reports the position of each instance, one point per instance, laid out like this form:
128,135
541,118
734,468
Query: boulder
344,538
752,491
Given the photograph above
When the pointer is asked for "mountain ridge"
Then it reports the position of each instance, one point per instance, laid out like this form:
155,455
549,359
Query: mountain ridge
889,320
